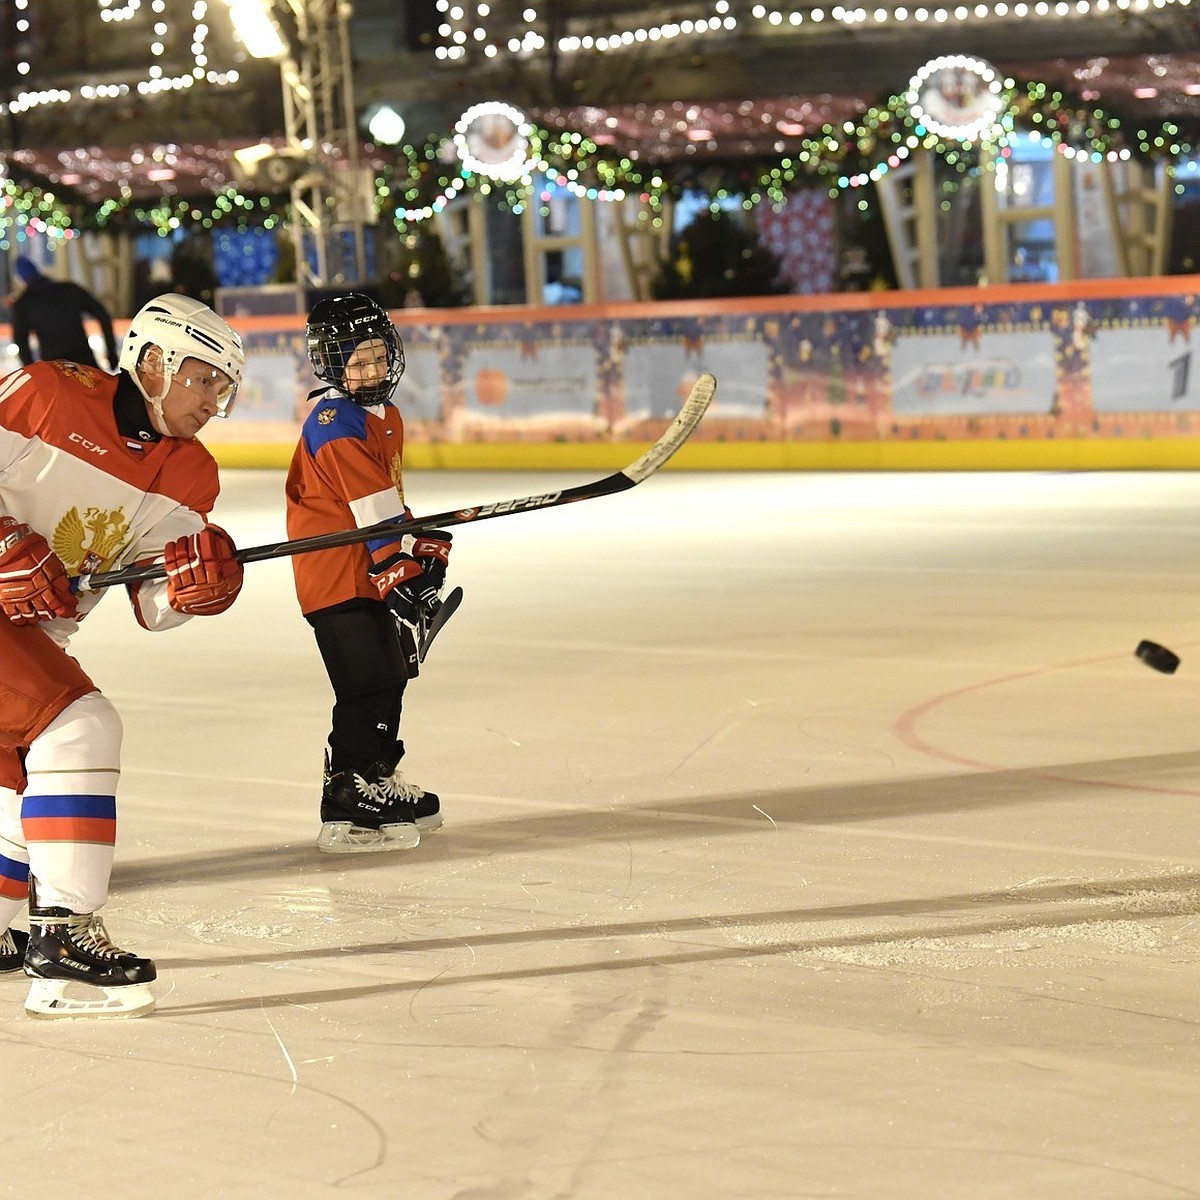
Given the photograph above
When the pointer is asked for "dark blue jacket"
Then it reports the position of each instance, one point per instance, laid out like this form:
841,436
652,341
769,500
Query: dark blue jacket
53,312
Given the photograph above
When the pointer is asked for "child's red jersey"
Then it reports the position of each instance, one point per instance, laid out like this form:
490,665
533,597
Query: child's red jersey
346,473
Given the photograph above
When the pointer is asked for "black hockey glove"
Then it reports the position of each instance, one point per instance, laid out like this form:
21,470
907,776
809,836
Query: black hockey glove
404,586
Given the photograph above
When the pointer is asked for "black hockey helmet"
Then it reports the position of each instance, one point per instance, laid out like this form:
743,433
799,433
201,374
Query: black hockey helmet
336,327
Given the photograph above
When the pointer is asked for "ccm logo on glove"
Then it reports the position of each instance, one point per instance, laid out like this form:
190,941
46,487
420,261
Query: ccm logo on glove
432,545
203,574
432,551
393,572
34,585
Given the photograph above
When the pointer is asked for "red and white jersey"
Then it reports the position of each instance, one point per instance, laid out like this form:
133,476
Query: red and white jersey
103,501
346,473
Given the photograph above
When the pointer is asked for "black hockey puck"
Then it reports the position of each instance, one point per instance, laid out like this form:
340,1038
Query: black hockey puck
1158,657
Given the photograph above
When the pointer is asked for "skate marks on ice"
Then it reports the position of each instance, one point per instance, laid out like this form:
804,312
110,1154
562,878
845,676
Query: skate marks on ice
1035,924
380,924
822,804
381,920
1052,923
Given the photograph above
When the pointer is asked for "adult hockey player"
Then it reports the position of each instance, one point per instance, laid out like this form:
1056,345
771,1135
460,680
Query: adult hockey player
362,600
97,472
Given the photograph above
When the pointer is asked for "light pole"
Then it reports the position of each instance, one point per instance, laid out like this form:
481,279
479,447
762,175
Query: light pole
332,196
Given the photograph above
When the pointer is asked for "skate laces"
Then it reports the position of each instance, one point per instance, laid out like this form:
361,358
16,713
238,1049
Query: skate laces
7,945
371,791
398,788
88,933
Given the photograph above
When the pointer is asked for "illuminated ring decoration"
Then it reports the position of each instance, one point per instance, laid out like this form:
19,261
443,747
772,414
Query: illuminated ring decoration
492,139
956,97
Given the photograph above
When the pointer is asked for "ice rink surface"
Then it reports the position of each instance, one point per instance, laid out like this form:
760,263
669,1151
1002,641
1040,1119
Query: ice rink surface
806,836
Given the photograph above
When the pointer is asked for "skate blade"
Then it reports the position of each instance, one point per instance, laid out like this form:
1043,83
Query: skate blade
430,823
49,999
343,837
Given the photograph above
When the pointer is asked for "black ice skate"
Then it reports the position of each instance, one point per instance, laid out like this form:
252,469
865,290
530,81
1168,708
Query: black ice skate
426,808
78,972
360,813
12,949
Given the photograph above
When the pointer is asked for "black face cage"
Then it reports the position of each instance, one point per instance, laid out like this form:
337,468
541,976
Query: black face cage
336,328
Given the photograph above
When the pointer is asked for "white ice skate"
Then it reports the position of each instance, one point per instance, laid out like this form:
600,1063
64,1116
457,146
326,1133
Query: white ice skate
58,998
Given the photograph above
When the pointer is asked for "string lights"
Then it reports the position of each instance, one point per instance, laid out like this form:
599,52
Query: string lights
466,26
155,80
424,180
956,14
420,181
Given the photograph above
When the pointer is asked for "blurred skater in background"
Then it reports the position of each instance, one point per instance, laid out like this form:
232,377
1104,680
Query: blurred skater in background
53,312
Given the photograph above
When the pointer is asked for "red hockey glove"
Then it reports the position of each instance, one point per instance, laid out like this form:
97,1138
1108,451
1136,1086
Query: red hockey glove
432,550
203,576
34,585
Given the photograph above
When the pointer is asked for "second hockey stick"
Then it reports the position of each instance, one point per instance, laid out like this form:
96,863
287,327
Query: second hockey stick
678,432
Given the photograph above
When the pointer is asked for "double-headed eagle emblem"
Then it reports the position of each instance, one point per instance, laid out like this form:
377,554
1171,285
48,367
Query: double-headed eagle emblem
89,541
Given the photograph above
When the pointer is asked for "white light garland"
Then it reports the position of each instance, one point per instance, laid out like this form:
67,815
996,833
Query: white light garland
961,14
464,23
434,207
109,12
155,81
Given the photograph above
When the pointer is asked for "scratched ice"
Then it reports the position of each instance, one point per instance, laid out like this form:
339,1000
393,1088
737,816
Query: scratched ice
806,835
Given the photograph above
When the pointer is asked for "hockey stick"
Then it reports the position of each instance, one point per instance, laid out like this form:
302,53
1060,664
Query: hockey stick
429,627
678,432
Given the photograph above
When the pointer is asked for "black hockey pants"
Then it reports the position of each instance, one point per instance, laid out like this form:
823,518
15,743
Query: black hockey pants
369,661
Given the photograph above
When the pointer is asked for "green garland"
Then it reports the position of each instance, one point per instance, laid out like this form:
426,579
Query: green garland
426,178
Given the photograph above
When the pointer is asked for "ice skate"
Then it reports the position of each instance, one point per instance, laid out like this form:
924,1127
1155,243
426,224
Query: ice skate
360,813
12,949
426,807
78,972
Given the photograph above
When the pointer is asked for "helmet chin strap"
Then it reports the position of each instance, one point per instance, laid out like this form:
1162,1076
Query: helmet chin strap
372,394
155,403
157,419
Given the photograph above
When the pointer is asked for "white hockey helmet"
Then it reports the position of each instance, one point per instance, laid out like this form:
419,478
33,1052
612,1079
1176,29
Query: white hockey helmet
182,327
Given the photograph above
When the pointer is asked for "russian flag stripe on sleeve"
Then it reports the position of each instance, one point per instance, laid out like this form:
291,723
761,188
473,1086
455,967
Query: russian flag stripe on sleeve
78,804
14,879
78,818
70,829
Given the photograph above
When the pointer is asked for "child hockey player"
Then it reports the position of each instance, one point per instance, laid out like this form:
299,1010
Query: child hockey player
362,601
